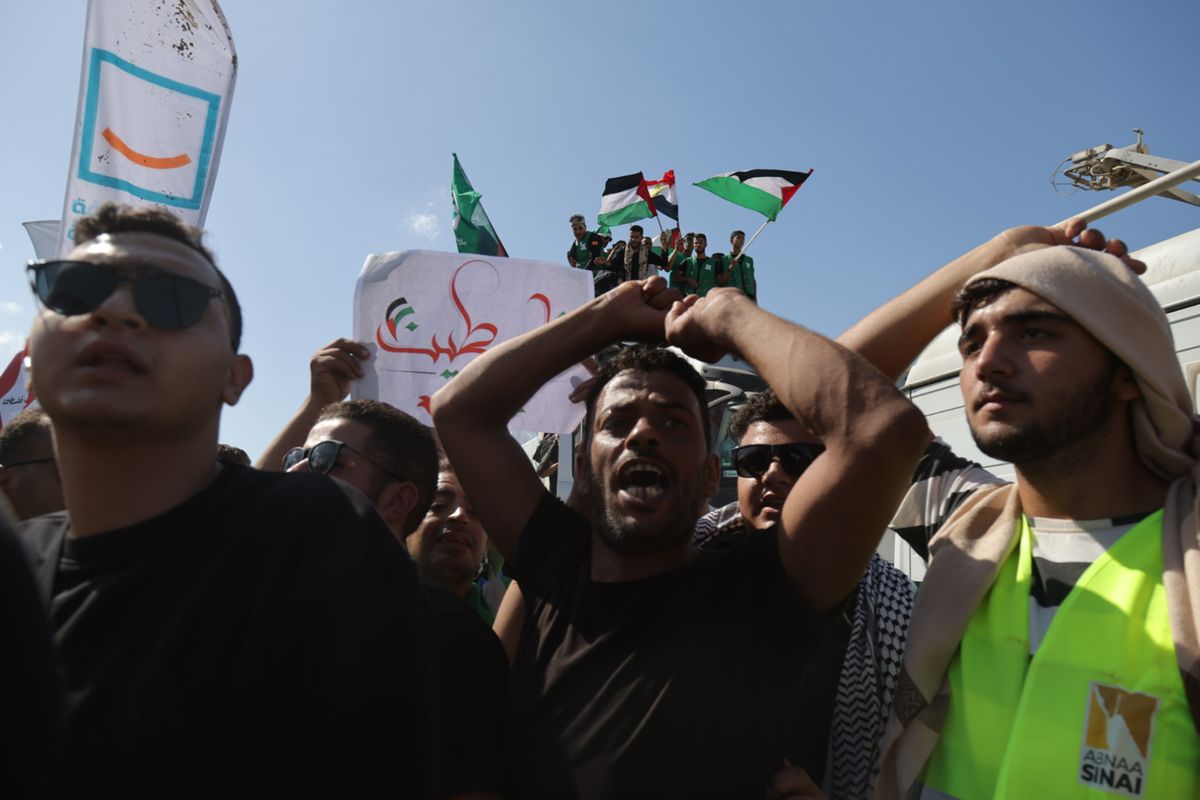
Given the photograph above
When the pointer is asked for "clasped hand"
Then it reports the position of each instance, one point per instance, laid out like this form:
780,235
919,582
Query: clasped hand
648,311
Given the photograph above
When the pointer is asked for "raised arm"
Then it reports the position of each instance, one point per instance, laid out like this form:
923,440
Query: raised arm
892,336
837,511
331,370
472,412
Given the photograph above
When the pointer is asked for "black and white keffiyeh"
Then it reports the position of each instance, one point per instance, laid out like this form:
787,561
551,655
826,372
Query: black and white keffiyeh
874,653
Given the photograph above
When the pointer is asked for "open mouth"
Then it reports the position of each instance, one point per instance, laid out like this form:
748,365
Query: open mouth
642,481
771,500
110,358
455,539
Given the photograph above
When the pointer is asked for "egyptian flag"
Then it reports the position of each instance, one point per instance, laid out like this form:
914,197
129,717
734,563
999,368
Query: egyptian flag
625,199
766,191
662,195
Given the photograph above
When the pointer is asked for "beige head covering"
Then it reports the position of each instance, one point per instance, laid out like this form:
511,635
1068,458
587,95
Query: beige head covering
1103,295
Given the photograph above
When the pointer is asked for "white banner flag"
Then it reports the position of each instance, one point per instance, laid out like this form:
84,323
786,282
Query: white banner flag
426,315
154,98
43,233
14,396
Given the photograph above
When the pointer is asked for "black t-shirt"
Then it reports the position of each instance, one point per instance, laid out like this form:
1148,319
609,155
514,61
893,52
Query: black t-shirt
265,638
684,684
30,704
472,673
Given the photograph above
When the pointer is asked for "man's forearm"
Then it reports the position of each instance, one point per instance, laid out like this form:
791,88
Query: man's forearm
892,336
494,387
831,390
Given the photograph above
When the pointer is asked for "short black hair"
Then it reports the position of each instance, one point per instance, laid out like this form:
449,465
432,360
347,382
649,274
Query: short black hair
112,218
647,358
761,406
578,218
228,454
20,435
637,228
737,233
977,294
399,444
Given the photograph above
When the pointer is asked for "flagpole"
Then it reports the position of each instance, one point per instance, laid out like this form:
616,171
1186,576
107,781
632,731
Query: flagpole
746,246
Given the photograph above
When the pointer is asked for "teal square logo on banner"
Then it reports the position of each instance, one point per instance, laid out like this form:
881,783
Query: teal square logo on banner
146,134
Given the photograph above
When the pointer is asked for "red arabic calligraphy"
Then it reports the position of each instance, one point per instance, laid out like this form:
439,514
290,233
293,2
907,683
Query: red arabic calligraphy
478,337
545,301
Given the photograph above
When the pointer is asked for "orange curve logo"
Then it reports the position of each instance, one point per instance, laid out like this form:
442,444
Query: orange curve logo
153,162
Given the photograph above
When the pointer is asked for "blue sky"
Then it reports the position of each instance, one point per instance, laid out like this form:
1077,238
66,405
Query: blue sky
930,127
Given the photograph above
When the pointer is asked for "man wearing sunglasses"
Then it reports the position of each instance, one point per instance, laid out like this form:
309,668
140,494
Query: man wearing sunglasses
850,680
28,470
392,459
221,631
645,669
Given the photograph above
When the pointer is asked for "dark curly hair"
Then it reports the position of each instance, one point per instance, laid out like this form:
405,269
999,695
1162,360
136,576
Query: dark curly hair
112,218
22,433
646,358
977,294
761,406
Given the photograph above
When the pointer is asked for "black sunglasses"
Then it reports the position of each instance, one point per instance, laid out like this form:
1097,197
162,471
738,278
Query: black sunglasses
752,460
163,299
322,457
26,462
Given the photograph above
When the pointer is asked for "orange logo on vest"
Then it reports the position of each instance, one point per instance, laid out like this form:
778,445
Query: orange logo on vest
1116,739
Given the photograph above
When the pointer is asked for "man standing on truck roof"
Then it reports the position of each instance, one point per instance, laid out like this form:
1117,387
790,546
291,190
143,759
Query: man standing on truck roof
1054,648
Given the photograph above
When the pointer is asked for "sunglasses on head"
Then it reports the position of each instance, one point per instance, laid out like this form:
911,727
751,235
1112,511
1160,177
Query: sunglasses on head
752,460
163,299
322,457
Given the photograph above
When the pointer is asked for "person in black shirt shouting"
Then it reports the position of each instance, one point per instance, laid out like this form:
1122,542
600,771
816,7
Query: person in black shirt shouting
222,632
646,669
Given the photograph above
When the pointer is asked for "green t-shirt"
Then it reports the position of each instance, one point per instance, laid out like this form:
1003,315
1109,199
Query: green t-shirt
586,249
676,267
704,272
478,604
743,277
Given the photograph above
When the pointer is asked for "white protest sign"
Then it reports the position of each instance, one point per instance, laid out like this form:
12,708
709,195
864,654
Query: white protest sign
426,315
14,396
154,99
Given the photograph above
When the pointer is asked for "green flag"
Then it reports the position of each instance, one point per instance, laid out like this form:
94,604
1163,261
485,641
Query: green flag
473,231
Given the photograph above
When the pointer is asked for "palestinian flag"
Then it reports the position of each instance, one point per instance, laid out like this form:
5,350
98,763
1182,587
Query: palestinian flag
625,200
473,231
662,195
766,191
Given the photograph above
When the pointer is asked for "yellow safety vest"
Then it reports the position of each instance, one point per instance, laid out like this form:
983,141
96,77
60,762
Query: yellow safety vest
1098,712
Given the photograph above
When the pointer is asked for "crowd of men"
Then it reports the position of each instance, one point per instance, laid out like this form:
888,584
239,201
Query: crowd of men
178,623
684,258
